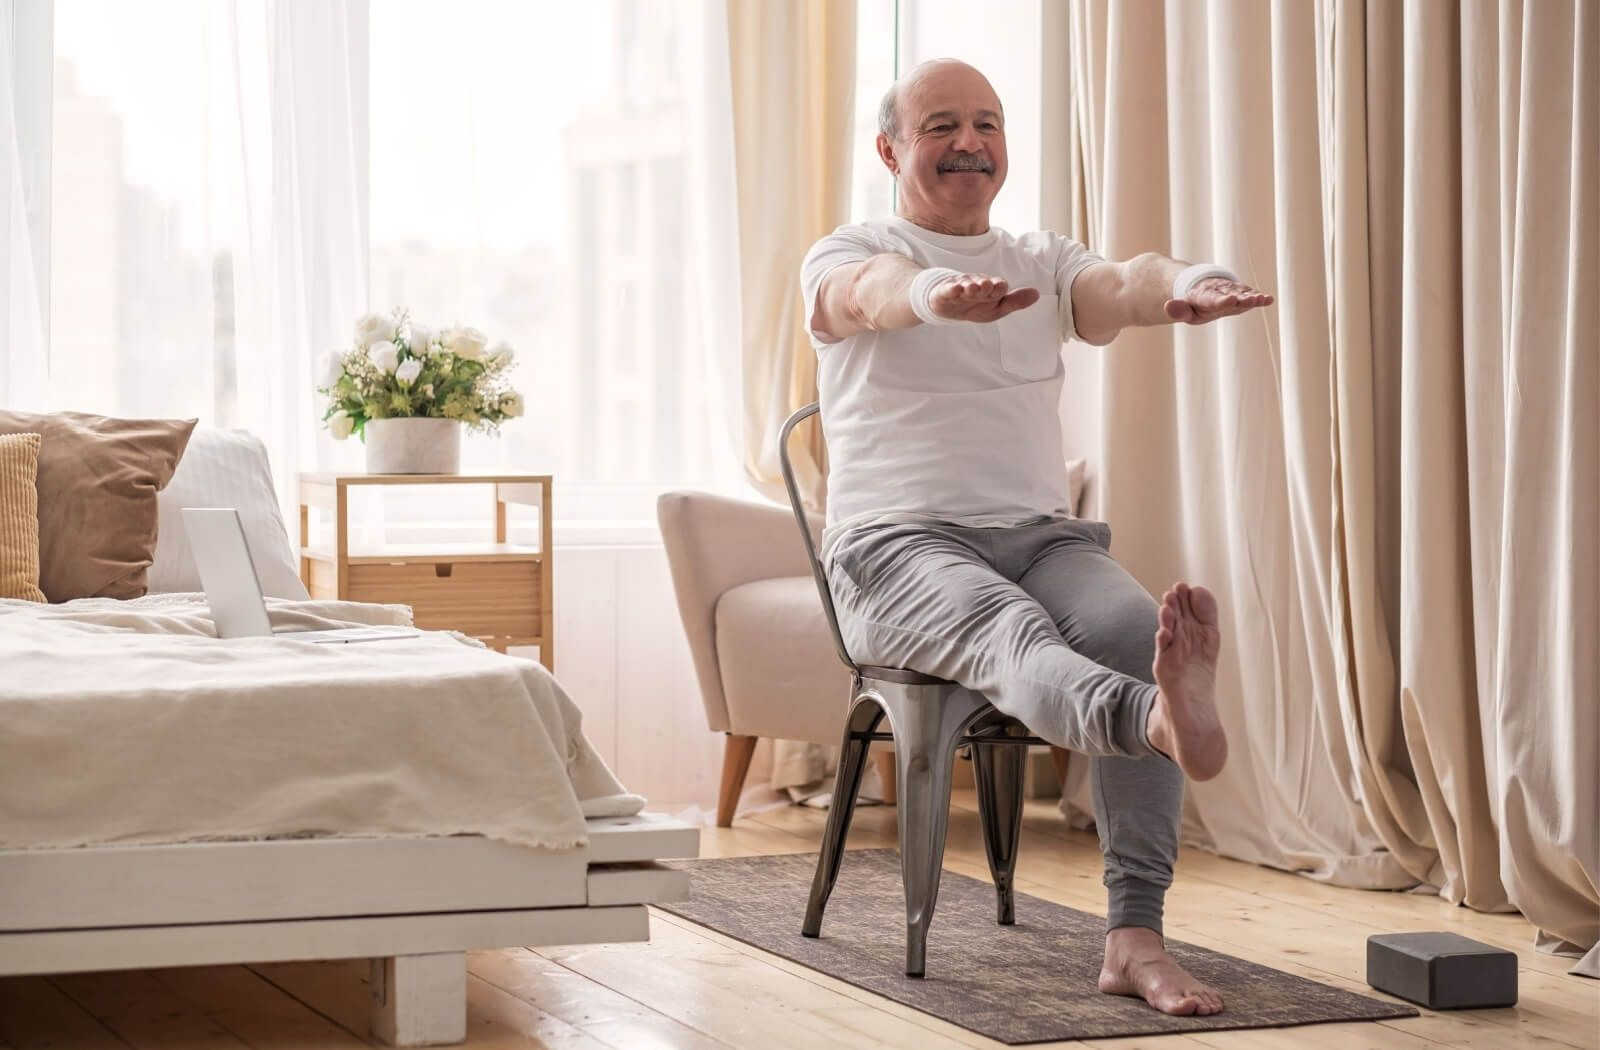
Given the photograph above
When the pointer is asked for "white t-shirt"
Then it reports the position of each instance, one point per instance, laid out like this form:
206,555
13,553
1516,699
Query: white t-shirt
948,423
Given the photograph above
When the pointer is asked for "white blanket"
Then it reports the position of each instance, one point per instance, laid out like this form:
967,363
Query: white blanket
129,722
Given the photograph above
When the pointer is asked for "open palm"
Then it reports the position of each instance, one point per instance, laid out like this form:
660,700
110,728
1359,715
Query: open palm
1214,298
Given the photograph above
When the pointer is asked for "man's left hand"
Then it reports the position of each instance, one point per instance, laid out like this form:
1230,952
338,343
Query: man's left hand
1214,298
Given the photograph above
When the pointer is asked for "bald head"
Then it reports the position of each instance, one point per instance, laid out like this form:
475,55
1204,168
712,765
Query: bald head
889,122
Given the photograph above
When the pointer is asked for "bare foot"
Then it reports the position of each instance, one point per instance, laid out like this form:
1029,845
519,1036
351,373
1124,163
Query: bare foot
1137,964
1183,723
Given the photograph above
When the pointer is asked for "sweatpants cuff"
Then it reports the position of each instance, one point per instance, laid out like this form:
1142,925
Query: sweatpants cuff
1134,902
1133,718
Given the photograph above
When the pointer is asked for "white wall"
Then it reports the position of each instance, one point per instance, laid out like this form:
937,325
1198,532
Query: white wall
622,657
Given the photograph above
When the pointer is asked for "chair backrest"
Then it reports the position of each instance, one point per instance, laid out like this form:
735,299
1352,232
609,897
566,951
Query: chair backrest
805,532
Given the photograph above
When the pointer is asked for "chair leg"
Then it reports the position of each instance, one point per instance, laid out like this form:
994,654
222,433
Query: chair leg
998,771
736,752
864,718
927,725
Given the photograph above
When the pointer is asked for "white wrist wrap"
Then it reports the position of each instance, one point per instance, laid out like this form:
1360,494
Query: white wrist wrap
921,291
1196,273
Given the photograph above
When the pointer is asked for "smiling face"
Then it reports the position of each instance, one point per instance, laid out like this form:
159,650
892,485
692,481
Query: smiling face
948,150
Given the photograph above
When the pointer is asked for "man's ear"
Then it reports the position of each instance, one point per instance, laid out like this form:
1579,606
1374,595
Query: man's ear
886,154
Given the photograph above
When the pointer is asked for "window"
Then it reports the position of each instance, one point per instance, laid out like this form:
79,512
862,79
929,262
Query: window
536,171
542,196
136,258
871,185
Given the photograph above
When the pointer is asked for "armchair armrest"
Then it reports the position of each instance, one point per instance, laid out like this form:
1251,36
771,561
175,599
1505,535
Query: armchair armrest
714,544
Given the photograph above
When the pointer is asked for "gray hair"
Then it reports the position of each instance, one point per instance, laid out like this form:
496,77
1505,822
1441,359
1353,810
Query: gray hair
889,112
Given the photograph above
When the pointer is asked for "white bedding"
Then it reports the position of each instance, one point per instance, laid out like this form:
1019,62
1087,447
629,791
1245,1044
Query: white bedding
128,722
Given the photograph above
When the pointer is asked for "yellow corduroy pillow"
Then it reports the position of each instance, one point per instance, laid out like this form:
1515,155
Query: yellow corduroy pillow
19,517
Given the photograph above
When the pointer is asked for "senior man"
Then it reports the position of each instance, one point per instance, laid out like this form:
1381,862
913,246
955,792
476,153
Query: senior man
950,545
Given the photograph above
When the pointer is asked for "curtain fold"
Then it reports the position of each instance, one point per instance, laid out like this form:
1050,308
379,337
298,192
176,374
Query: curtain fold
1391,476
792,68
793,77
25,80
208,224
301,237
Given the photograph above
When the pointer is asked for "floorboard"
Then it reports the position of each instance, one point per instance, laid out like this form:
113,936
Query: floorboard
696,989
36,1015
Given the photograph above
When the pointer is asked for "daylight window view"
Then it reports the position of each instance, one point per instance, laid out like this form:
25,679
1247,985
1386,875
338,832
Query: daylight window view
547,203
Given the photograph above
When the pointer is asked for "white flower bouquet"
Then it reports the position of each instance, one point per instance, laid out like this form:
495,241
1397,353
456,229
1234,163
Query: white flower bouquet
398,369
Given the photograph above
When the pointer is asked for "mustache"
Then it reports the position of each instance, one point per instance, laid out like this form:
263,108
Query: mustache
967,162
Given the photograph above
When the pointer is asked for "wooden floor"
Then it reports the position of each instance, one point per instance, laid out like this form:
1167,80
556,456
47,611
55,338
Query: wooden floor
692,988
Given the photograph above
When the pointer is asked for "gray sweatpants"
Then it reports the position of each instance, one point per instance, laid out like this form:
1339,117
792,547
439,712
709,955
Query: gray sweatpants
1041,620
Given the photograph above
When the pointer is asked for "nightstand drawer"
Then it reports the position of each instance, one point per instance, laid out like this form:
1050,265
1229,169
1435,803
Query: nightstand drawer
483,599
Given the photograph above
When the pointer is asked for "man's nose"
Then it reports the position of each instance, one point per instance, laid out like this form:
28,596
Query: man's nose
966,140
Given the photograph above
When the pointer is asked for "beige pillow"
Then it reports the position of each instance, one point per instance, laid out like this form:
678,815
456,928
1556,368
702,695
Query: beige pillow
98,479
19,517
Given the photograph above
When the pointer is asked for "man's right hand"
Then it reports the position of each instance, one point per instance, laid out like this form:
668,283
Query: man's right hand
873,295
979,297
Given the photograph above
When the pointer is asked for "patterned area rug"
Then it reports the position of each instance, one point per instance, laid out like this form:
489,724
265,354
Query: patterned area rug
1029,983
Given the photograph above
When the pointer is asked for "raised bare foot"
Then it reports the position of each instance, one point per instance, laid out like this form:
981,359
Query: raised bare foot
1137,964
1183,723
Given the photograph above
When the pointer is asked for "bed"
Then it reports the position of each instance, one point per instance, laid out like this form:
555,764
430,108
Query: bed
170,799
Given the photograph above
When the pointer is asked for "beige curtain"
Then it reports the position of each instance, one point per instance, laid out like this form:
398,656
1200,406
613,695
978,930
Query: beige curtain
793,71
1390,478
792,64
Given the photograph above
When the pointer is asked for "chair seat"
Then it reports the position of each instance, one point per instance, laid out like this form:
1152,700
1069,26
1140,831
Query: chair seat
900,675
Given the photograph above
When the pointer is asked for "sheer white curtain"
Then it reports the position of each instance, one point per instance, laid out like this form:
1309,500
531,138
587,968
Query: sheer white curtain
24,197
207,238
298,210
231,178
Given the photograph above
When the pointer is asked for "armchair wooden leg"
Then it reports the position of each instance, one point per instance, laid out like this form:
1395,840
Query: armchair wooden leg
736,752
1058,755
884,760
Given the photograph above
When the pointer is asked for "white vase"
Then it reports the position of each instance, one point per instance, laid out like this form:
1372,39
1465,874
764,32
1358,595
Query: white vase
414,445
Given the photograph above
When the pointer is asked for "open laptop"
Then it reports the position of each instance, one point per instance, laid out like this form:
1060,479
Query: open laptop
233,590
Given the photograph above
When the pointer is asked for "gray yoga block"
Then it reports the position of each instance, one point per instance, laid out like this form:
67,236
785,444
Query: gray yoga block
1442,971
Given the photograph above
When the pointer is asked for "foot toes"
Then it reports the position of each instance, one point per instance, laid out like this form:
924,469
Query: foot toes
1205,605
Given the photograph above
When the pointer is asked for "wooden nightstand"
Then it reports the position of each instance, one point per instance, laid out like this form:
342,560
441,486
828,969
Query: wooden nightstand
497,591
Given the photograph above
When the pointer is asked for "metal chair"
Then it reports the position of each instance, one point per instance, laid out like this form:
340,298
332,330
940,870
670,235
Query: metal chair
929,720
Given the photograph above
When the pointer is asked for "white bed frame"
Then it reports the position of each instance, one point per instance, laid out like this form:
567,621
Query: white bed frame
413,906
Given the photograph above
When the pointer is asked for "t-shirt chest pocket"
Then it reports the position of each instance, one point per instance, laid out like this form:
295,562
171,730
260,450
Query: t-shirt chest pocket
1029,341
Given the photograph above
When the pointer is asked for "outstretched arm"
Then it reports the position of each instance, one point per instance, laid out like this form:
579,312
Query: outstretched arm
884,292
1110,296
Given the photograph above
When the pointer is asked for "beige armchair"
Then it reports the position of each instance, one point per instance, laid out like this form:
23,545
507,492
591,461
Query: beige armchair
762,650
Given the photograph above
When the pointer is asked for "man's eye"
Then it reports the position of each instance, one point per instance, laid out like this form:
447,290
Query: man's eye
941,128
987,126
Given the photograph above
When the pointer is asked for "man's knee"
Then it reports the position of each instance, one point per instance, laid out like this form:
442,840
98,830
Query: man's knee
1124,639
